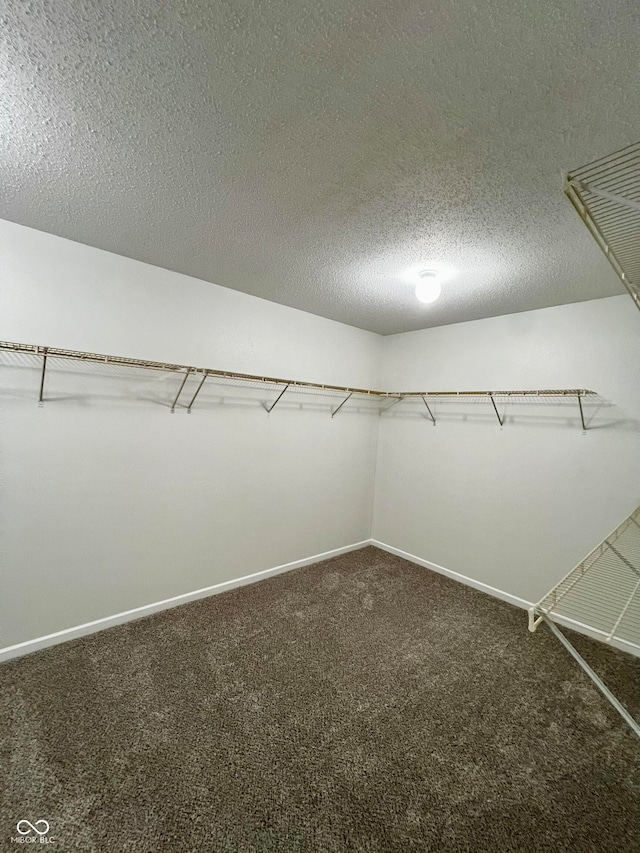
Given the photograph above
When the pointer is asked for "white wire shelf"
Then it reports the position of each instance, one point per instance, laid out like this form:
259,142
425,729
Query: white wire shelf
606,195
193,379
602,594
603,591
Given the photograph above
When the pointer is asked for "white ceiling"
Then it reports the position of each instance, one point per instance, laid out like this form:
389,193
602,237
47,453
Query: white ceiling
311,152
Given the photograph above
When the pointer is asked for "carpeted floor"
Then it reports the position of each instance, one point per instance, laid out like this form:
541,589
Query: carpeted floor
362,704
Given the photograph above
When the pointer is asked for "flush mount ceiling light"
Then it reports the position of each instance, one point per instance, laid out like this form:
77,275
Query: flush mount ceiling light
429,286
427,278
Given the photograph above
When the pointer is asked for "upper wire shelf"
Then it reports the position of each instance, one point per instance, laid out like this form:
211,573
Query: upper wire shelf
606,195
281,386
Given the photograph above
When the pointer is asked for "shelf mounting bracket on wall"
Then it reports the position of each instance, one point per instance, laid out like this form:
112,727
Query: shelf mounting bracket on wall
335,411
277,400
186,376
44,368
193,399
391,405
495,409
424,400
584,426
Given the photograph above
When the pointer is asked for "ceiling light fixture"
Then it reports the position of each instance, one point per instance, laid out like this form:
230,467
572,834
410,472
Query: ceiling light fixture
428,288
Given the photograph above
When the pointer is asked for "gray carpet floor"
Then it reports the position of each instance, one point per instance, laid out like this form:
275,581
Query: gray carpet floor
361,704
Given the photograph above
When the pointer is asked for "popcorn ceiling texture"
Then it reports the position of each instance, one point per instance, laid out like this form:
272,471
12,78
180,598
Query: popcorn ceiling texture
308,153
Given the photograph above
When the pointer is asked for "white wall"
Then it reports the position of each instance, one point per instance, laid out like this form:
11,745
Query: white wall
515,508
109,502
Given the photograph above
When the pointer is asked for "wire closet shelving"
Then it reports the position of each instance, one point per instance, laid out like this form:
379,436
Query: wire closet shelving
606,195
281,386
601,593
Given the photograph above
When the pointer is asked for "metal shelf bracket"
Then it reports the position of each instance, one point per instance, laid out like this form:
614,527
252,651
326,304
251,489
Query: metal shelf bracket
620,199
44,368
277,400
186,376
335,411
424,400
600,594
193,399
495,409
584,426
602,687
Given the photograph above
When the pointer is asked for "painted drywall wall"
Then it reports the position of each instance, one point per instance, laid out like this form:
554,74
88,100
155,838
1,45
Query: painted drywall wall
513,507
109,502
60,293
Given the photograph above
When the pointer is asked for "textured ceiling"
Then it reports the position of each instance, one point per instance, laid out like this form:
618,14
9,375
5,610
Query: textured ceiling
311,152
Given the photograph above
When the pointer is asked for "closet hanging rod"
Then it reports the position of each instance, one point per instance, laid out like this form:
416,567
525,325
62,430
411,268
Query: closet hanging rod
48,352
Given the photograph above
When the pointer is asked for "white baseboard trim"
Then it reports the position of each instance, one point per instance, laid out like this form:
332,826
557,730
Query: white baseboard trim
579,627
434,567
146,610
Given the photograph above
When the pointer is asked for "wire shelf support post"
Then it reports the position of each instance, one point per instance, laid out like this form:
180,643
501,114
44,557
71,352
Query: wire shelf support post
277,400
198,389
173,405
424,400
335,411
44,370
602,687
602,596
495,409
584,426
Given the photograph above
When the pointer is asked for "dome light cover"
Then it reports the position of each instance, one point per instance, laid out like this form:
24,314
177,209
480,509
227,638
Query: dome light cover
428,288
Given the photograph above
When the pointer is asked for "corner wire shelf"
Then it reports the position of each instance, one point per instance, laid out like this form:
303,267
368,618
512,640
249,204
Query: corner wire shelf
606,195
281,386
601,593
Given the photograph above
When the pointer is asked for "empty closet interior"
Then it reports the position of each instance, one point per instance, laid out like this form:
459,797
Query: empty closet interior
319,429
